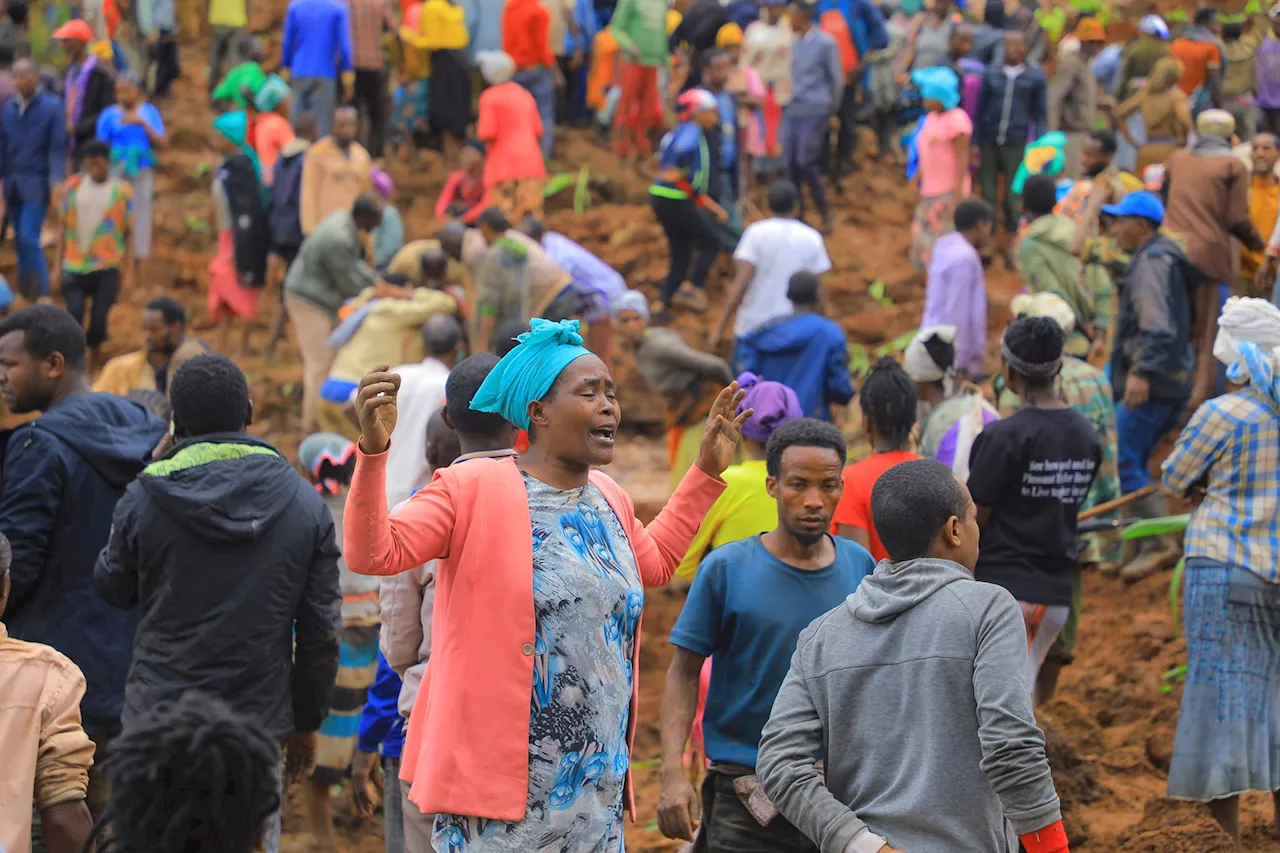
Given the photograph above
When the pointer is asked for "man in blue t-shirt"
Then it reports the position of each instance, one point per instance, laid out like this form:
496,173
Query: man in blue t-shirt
748,604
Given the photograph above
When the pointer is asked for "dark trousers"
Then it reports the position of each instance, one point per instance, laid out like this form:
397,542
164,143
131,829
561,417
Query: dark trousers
102,286
847,137
803,146
163,54
998,164
571,105
691,237
369,97
728,827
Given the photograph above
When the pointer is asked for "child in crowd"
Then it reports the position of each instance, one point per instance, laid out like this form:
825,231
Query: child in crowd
888,399
1028,474
955,292
94,249
465,195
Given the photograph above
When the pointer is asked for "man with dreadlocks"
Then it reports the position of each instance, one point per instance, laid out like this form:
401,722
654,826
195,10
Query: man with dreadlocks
889,403
191,777
1029,473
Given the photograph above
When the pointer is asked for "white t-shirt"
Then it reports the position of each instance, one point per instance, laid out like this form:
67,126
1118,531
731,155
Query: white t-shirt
421,393
778,248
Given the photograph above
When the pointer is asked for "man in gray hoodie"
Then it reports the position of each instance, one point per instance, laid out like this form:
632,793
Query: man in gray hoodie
939,658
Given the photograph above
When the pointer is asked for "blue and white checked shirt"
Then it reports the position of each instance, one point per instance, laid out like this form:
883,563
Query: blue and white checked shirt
1232,443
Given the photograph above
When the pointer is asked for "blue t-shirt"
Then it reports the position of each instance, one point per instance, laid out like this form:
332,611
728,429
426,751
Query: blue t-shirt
684,148
728,108
745,610
130,145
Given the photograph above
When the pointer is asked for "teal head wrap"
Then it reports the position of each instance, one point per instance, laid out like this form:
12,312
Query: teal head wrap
234,127
940,84
272,94
527,372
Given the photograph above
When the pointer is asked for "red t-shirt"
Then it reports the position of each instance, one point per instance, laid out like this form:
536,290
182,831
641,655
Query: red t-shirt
860,478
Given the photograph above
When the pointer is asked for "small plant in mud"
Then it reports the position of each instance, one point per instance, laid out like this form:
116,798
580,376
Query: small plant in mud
861,358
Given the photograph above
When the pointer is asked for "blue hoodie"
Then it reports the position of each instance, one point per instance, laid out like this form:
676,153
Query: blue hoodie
807,353
63,473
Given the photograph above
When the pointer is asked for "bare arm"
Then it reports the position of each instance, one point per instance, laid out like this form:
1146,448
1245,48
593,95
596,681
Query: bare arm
66,826
678,805
744,271
963,150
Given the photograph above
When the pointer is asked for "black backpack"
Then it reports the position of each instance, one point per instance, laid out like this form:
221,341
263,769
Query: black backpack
250,228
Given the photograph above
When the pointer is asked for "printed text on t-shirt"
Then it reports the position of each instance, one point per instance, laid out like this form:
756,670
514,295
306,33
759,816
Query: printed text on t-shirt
1066,480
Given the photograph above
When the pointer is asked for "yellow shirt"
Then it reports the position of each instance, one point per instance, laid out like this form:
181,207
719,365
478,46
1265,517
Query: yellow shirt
391,334
1264,206
228,13
742,510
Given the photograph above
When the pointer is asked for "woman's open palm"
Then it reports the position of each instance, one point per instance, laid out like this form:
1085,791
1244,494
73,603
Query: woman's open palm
376,408
723,434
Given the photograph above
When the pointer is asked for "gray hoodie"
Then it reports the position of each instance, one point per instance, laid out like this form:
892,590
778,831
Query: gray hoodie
915,692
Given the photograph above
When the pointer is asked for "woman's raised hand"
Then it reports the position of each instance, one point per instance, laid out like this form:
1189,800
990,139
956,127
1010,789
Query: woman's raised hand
376,408
724,431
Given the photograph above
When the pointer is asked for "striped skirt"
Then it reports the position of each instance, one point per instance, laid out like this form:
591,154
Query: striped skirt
357,667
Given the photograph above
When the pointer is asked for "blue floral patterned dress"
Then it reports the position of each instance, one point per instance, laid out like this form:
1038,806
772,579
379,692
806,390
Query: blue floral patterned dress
587,598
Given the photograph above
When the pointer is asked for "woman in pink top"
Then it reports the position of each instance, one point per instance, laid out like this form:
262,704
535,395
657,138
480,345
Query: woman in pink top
510,127
272,130
522,728
942,174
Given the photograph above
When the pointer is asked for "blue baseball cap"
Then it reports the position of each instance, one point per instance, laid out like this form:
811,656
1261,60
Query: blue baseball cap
1142,203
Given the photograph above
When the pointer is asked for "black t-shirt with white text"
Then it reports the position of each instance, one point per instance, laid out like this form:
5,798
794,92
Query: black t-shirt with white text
1033,470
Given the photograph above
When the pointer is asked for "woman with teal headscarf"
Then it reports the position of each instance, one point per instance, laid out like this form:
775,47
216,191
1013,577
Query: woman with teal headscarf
271,130
239,267
940,151
540,590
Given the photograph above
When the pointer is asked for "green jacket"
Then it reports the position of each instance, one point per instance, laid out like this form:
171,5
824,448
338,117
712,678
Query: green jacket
1047,265
640,28
330,267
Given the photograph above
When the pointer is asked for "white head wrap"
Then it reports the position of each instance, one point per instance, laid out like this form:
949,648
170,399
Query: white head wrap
919,365
495,66
1049,305
1154,25
1246,319
632,300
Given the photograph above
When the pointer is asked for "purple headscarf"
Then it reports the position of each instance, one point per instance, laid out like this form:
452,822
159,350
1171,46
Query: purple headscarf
382,184
774,405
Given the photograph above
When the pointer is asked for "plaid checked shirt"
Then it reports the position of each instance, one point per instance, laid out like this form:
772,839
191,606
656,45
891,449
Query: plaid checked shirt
369,19
1232,445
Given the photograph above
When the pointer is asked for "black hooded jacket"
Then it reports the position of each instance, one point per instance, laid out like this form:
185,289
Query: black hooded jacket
232,558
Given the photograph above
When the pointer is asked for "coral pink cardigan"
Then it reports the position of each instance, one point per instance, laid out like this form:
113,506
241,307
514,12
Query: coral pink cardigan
467,748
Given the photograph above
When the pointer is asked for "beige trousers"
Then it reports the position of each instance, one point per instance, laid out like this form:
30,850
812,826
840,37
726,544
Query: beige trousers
311,329
417,826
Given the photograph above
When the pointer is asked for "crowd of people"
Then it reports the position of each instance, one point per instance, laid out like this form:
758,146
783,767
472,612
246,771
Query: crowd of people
190,625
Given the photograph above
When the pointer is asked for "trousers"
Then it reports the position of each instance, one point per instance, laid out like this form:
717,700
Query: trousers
33,273
691,238
998,165
102,286
370,98
728,827
802,145
318,96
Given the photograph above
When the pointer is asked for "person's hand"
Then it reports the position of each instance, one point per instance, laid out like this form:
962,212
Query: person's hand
1097,350
299,756
714,208
365,777
676,807
834,122
557,76
1137,391
1262,277
575,61
376,408
723,433
348,86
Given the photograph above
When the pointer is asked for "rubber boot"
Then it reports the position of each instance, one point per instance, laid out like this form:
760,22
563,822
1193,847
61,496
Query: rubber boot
1154,553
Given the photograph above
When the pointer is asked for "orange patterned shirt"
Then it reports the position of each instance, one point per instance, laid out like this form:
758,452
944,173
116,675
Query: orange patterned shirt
107,248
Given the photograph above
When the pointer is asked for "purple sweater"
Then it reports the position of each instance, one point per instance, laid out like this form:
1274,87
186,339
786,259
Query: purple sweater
956,295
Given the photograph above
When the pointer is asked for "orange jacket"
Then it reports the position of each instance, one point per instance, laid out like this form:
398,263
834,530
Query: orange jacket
467,748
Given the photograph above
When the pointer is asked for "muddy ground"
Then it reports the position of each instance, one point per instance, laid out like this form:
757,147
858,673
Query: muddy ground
1111,729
